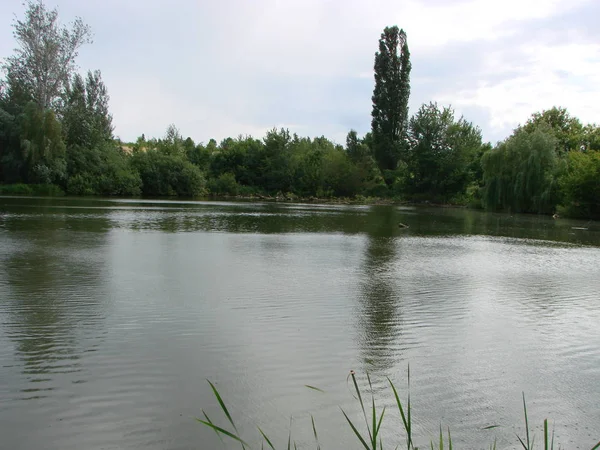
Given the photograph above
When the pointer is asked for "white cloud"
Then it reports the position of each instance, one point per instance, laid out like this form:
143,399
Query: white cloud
565,75
219,69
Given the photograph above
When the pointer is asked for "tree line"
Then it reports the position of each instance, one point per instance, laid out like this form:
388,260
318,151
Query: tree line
56,133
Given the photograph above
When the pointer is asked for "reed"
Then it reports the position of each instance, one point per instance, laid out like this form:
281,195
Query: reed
373,418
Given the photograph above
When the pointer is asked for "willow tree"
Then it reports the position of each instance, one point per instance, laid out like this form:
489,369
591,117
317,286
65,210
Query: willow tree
390,98
521,173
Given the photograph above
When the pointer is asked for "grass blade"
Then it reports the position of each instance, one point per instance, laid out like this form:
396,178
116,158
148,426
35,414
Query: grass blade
223,431
314,388
289,446
526,423
360,438
211,422
266,438
596,447
449,440
222,404
522,443
410,442
441,438
545,434
406,423
362,405
315,432
380,420
374,439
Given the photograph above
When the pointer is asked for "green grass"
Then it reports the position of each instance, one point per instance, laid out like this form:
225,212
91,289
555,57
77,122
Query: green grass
373,418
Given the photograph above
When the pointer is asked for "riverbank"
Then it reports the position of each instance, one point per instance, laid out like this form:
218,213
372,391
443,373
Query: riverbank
51,190
46,190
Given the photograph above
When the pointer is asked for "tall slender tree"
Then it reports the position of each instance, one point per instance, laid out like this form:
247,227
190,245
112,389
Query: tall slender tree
86,119
45,57
390,98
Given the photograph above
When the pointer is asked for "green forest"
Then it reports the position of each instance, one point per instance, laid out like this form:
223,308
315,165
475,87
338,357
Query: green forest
56,137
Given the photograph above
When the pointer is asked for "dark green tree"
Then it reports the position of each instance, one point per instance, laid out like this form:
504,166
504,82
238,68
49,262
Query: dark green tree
390,98
580,185
591,138
77,124
441,152
11,160
101,170
42,146
360,155
568,130
97,99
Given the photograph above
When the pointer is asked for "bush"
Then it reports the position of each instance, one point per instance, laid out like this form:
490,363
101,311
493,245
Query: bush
225,184
580,185
378,190
168,175
16,189
81,184
50,190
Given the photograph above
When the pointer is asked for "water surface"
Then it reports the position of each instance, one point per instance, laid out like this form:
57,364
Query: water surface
114,313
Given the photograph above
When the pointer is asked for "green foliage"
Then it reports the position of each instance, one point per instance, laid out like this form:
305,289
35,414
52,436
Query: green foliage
359,153
441,153
390,98
85,116
45,57
521,173
225,184
341,178
56,131
42,146
165,174
103,170
580,185
567,130
16,189
591,137
31,189
11,158
199,155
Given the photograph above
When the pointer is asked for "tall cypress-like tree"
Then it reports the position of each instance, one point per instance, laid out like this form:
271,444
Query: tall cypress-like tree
390,98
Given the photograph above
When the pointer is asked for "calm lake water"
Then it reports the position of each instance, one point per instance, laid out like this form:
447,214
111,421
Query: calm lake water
114,313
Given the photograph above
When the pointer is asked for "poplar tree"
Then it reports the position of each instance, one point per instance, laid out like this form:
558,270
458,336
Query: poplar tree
44,59
390,98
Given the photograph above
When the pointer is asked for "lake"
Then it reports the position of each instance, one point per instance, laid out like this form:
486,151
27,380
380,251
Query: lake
114,313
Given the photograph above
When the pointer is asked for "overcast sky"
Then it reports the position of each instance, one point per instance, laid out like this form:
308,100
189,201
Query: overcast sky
218,68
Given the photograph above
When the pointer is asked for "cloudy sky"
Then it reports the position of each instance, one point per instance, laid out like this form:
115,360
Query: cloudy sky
229,67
